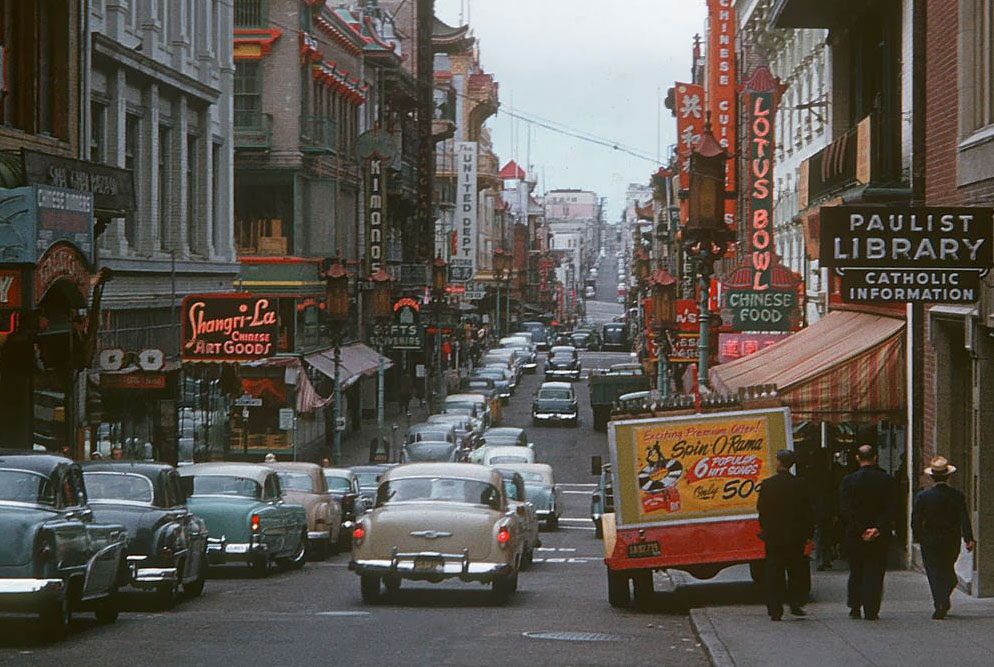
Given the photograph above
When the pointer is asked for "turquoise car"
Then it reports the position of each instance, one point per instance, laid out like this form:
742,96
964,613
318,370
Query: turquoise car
55,559
248,520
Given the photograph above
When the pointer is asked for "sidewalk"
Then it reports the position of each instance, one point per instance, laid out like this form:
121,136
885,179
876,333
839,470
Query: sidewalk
741,633
355,444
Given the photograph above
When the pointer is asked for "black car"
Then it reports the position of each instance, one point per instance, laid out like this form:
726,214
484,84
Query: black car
585,339
343,485
425,451
167,545
369,480
539,332
563,362
615,337
555,402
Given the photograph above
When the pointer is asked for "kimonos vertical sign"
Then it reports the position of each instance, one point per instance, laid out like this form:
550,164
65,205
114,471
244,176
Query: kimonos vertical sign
375,214
462,266
721,88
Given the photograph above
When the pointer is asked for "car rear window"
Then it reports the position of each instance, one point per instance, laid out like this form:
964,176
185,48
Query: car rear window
118,486
438,489
532,476
554,394
22,486
295,481
336,483
222,485
495,460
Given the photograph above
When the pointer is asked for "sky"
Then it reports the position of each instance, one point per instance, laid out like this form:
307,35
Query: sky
597,68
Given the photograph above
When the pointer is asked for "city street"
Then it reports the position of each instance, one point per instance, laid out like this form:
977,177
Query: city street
559,616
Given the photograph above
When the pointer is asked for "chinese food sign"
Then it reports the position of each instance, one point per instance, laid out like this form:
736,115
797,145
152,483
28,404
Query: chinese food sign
698,466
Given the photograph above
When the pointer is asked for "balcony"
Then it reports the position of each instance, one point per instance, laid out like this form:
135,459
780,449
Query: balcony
253,131
251,14
317,134
489,168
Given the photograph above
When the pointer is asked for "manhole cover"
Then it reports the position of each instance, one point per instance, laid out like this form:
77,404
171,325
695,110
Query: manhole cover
575,636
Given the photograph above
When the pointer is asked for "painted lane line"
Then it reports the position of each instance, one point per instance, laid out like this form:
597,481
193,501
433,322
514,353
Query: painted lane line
344,614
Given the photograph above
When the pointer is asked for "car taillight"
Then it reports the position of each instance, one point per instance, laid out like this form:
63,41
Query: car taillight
358,534
503,536
254,523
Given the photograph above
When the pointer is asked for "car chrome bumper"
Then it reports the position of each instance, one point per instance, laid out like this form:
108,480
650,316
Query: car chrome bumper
555,416
150,577
552,372
449,566
28,595
220,551
319,534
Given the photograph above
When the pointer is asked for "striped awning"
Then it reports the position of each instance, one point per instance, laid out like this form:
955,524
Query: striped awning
848,366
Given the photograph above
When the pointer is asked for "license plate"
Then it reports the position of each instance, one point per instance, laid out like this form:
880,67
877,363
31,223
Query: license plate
643,550
237,548
428,564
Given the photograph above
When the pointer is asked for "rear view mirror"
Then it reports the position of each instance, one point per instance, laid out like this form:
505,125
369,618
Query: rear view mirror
531,445
595,465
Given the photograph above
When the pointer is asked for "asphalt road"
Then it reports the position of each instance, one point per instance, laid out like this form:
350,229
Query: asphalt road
560,616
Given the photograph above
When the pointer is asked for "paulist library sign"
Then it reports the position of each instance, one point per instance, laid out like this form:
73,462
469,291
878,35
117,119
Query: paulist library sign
903,254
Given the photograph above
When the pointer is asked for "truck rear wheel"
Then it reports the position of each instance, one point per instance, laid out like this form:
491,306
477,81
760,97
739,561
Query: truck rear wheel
644,591
619,592
757,571
601,414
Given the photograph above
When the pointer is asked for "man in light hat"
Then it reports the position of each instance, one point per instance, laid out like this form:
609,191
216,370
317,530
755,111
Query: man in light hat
939,520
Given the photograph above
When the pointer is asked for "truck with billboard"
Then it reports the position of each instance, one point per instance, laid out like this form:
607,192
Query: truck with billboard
685,489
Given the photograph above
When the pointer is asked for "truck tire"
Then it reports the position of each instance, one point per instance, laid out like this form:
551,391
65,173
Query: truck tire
598,529
757,571
369,586
644,592
619,593
601,414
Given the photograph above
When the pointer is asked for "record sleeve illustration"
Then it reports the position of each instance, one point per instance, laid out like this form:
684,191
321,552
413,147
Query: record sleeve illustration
657,481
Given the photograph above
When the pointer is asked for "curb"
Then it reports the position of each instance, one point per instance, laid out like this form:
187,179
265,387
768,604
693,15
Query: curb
717,652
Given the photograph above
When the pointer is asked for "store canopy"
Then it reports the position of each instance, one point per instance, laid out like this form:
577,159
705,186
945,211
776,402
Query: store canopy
848,366
357,360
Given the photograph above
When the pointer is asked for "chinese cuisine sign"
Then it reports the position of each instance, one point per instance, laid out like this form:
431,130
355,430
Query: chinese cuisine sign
231,328
697,466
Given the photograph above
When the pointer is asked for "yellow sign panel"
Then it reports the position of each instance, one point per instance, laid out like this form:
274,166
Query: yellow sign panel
695,466
247,50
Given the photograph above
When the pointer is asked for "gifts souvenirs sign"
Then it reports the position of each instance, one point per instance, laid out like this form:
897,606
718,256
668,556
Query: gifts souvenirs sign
920,254
229,327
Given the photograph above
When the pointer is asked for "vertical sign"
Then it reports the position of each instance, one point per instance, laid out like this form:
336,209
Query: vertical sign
689,104
375,214
721,88
759,100
463,263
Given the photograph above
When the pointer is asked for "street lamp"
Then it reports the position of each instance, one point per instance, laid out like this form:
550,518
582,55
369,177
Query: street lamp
502,272
337,296
382,314
705,235
664,315
439,277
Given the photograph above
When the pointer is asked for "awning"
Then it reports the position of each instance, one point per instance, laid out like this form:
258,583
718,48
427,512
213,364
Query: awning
357,360
847,366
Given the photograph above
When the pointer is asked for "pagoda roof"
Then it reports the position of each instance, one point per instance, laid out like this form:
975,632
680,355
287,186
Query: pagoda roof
512,171
450,39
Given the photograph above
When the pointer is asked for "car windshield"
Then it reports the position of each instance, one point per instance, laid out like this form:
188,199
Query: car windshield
223,485
118,486
614,335
501,440
562,357
507,459
368,479
511,489
554,394
21,486
295,481
529,476
336,483
438,489
580,338
458,405
424,452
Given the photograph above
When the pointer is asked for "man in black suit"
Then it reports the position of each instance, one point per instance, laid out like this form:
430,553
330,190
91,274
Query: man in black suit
939,520
787,521
867,503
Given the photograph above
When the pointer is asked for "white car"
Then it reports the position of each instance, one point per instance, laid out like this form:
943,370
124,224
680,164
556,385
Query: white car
497,455
437,521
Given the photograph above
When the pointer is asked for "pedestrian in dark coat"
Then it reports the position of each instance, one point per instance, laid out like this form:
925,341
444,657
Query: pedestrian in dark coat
787,521
939,520
867,503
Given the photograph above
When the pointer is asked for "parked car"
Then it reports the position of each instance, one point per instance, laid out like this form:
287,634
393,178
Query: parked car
540,489
506,435
248,520
424,451
55,558
305,485
506,366
484,387
524,350
466,436
564,361
539,332
482,403
500,379
589,292
615,337
513,361
167,544
555,401
343,485
514,487
437,521
369,480
432,431
602,499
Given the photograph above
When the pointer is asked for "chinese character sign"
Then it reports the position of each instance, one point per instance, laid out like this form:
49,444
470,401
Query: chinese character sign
689,123
721,87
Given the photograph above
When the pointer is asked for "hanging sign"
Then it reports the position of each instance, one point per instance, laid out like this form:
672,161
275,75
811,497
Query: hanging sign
375,214
229,327
759,99
689,108
462,265
721,89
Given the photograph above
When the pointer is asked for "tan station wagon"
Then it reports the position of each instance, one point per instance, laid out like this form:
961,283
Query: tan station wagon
437,521
305,484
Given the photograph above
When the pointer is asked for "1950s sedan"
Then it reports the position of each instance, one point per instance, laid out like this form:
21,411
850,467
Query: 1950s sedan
437,521
54,557
167,545
248,520
304,484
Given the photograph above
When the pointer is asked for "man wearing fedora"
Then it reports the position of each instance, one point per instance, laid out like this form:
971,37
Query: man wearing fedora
939,520
867,503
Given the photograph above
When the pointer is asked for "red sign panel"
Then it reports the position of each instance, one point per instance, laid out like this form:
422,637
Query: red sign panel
721,87
736,345
62,261
10,289
137,380
229,327
689,105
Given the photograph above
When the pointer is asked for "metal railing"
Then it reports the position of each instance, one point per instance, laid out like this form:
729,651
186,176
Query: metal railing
253,131
251,13
317,134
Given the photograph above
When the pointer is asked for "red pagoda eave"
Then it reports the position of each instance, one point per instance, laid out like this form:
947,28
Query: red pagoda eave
263,37
336,34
